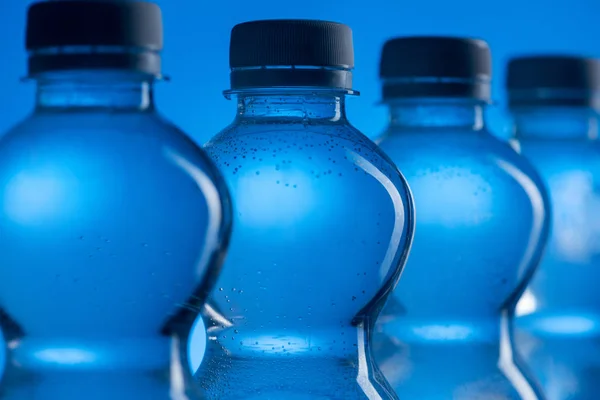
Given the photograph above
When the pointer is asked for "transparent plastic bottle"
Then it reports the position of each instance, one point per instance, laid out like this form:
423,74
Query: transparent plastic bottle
323,223
554,101
113,223
482,223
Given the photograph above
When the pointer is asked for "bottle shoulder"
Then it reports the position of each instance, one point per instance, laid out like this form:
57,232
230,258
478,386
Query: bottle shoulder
470,171
136,122
577,152
324,142
457,148
134,134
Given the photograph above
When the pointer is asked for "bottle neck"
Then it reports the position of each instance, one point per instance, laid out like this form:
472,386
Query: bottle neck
433,113
320,105
86,90
552,122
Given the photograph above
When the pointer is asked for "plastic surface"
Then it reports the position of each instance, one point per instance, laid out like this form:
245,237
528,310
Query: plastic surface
113,227
416,66
558,322
446,332
2,354
323,222
91,34
320,52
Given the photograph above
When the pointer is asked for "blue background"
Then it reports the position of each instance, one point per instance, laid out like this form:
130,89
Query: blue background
197,35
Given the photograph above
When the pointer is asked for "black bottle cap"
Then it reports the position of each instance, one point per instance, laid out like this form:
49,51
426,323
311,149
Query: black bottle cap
291,53
560,80
79,34
436,66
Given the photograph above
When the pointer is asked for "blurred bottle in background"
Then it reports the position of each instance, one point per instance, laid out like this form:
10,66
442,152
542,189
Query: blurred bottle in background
554,102
481,227
113,223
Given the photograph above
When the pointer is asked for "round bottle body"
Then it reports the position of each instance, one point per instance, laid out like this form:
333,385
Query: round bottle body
558,324
112,221
323,222
481,227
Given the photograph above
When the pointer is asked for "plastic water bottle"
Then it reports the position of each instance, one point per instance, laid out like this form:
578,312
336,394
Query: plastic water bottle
481,226
113,222
554,101
323,223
